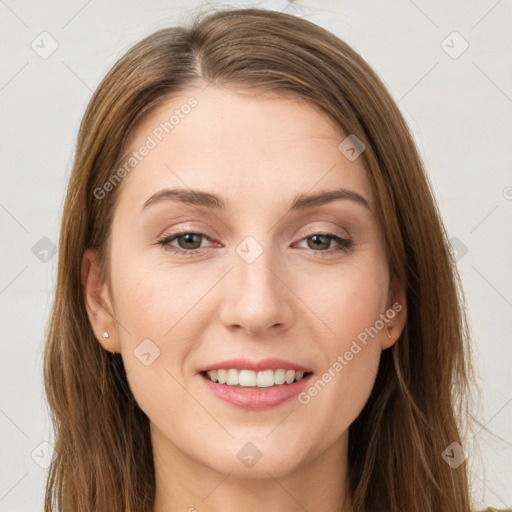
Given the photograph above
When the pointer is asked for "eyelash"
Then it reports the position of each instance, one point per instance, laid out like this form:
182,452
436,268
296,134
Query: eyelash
344,244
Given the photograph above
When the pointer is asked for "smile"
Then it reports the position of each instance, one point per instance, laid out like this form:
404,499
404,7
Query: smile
250,378
255,390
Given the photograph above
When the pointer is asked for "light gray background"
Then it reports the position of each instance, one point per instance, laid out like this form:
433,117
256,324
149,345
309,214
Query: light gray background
458,106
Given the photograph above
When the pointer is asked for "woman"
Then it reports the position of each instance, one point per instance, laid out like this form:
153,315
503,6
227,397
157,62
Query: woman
256,303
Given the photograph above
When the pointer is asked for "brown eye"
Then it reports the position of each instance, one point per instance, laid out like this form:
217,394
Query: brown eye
319,241
189,241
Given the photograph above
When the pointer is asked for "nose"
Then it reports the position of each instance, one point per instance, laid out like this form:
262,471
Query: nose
256,298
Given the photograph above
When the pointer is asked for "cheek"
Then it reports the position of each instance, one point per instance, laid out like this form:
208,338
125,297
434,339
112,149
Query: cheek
151,300
348,300
351,306
158,311
340,390
156,342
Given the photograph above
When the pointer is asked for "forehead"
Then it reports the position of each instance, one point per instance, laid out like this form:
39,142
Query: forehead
248,148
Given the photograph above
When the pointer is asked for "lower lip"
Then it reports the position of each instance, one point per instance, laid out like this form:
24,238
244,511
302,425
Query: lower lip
256,399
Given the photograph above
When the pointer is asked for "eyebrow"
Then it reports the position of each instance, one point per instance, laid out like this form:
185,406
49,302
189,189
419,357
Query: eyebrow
211,201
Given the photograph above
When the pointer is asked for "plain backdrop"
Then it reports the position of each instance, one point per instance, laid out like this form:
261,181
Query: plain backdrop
447,64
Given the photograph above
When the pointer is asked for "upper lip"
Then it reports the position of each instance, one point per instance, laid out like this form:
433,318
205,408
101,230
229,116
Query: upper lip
271,363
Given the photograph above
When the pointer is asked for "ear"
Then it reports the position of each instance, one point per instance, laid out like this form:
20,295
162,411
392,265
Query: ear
98,303
396,312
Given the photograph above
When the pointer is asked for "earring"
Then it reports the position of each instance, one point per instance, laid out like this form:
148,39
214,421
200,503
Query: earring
389,333
105,334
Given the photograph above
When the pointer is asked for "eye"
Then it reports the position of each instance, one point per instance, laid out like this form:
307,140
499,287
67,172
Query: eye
317,242
189,242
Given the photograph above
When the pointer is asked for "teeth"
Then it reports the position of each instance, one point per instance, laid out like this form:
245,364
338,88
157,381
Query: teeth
265,379
232,378
246,378
250,378
279,376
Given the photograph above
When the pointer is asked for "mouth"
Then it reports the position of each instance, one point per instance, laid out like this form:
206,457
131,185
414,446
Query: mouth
255,390
255,384
252,379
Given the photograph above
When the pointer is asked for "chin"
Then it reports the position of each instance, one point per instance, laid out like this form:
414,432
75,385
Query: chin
256,460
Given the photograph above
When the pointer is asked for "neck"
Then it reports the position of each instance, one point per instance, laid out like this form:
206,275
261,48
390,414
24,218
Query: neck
183,483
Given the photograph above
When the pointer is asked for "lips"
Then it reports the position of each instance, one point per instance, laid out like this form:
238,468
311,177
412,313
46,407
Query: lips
263,364
253,398
255,385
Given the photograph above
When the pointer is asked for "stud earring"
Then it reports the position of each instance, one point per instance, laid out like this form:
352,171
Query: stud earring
105,334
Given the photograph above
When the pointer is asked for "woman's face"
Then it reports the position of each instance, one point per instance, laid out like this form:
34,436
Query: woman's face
260,275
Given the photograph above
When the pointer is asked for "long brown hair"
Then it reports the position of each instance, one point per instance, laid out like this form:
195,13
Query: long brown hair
103,459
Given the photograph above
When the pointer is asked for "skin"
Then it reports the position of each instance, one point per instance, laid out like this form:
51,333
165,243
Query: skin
257,153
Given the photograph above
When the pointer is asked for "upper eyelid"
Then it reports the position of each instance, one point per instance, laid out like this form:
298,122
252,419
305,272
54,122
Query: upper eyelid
312,231
345,243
